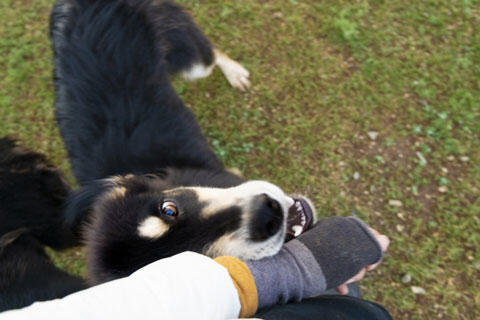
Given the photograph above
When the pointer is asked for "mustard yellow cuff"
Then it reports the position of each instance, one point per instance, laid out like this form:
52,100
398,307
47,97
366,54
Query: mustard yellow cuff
244,283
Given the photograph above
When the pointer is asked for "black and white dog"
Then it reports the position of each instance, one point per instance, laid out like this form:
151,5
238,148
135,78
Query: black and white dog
151,185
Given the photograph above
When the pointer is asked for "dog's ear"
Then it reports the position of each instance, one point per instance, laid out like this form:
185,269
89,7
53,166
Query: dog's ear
80,203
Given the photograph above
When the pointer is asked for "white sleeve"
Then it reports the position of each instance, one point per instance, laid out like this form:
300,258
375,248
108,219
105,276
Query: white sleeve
185,286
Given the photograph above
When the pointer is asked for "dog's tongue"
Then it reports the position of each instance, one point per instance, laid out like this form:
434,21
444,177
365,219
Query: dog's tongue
300,218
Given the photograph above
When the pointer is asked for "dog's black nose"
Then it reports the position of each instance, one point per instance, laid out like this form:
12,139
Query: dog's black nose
267,218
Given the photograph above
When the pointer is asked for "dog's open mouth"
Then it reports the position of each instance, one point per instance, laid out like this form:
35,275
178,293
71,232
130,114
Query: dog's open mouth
300,218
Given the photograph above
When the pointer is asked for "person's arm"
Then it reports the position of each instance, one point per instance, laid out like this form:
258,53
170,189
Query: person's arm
190,285
185,286
327,256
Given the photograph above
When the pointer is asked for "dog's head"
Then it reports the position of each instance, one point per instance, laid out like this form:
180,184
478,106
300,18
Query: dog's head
139,219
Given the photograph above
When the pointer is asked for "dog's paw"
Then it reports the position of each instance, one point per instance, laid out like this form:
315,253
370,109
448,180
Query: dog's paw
236,74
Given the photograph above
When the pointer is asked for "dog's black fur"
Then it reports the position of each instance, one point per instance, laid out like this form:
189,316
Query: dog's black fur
28,275
118,115
31,198
32,195
116,108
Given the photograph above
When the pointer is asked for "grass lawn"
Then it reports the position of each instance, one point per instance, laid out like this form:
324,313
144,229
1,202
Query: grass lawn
371,108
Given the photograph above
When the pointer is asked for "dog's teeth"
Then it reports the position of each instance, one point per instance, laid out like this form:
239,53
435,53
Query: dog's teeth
297,229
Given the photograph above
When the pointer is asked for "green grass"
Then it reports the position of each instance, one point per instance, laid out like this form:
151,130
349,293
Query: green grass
324,73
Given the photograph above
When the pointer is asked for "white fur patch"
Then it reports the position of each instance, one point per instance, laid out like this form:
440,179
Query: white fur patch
218,199
197,71
152,227
238,243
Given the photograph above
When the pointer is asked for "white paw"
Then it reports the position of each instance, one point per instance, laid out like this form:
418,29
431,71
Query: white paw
235,73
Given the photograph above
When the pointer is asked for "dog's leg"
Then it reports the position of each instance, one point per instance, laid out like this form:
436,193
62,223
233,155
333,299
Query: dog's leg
188,51
235,73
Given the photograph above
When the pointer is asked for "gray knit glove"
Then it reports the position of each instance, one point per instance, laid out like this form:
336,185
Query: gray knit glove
324,257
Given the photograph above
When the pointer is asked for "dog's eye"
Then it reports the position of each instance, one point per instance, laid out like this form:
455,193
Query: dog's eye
169,208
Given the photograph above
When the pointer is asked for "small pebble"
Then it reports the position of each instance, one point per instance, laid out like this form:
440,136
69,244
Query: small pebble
356,175
395,203
445,170
442,189
450,158
418,290
341,163
401,215
278,15
465,159
400,228
407,279
422,159
477,266
372,135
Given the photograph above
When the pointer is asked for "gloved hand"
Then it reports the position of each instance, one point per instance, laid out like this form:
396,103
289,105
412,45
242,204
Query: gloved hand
326,256
341,246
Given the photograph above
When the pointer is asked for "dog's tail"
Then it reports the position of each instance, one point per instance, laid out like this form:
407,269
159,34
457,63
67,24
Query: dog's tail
32,196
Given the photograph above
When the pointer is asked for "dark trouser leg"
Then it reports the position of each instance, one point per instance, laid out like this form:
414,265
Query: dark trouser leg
327,307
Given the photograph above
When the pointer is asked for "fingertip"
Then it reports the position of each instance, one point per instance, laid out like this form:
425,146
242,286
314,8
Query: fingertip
342,289
384,242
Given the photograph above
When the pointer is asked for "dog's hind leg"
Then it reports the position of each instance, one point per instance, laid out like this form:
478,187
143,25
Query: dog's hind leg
236,74
189,52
